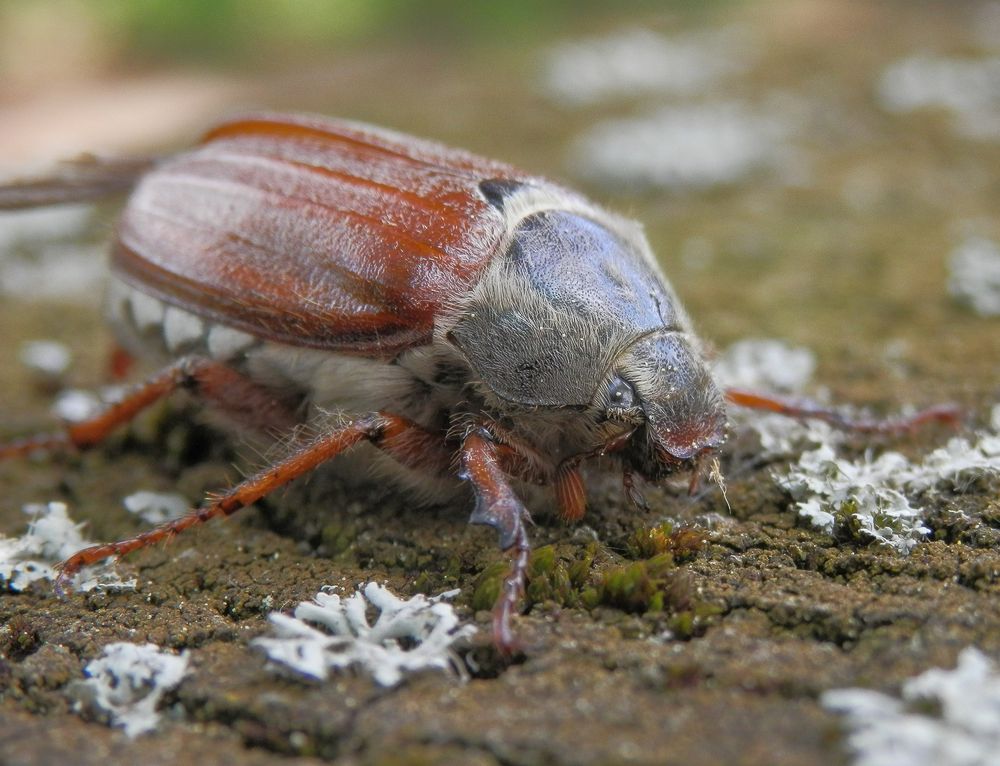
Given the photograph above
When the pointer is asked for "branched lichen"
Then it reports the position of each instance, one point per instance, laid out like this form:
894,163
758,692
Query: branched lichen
52,536
877,499
128,681
407,636
942,717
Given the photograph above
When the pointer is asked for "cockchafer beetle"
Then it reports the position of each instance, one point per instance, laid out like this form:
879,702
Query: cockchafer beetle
476,322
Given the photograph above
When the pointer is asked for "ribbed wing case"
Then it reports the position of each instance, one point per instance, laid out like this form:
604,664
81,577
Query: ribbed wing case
313,232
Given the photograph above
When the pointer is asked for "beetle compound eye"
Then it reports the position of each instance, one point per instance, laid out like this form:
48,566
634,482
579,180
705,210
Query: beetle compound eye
621,396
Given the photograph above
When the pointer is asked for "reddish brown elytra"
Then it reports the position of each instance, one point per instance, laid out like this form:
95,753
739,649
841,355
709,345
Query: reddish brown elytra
474,322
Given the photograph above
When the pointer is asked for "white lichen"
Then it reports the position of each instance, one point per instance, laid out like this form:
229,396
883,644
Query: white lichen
641,62
68,272
418,634
47,359
765,363
867,492
681,147
128,681
27,228
75,405
42,254
878,498
52,536
156,507
974,275
941,717
968,88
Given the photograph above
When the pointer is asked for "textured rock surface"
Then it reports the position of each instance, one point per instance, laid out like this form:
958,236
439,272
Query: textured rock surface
758,622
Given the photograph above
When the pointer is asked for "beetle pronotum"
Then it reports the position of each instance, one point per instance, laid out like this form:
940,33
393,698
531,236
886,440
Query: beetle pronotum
475,322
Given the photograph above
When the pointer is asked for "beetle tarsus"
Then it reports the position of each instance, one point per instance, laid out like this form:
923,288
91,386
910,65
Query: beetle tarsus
511,592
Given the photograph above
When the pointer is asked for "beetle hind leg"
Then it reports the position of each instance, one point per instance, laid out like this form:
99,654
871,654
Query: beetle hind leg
223,387
396,435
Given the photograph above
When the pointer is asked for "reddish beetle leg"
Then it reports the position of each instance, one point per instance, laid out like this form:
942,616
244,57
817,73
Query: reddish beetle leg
222,386
409,443
86,178
398,436
950,414
498,506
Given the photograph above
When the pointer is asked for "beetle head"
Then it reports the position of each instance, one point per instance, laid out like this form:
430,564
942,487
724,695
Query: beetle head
575,337
662,386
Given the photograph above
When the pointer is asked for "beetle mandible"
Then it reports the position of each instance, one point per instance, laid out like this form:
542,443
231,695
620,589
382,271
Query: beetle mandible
476,322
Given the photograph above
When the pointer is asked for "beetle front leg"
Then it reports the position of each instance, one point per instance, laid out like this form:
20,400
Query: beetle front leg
498,506
942,413
518,458
399,437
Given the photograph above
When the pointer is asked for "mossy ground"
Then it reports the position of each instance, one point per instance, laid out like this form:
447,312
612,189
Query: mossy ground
638,650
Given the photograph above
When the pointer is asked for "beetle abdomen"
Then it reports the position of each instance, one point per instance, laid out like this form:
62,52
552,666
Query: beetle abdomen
151,328
332,386
420,383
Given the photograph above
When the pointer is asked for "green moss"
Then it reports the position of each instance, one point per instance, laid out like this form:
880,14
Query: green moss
425,583
487,588
553,577
650,584
683,544
543,561
338,538
637,588
567,579
579,569
550,581
682,625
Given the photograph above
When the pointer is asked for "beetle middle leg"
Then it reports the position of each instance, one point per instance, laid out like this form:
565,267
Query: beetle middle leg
408,442
520,459
498,506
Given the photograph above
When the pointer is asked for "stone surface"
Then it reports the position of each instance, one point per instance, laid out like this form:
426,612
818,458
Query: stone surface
762,619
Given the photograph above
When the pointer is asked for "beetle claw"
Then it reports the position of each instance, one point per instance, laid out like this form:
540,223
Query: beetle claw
505,518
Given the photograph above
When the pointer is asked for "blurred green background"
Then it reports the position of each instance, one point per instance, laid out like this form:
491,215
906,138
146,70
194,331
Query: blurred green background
806,169
238,32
